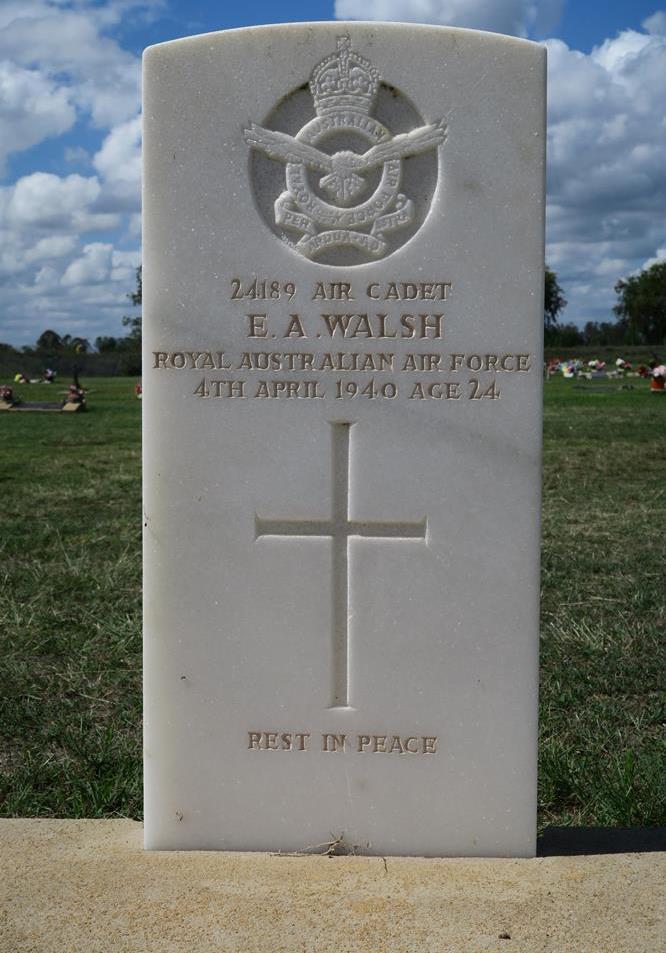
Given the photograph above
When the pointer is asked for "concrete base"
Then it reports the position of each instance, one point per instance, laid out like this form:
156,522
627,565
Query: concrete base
88,886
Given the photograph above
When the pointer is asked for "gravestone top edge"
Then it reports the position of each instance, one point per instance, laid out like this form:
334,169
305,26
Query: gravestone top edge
334,26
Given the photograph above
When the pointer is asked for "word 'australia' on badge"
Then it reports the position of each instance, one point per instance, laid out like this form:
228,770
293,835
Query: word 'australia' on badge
343,287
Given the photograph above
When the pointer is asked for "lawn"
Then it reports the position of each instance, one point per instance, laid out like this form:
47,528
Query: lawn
70,606
603,584
70,652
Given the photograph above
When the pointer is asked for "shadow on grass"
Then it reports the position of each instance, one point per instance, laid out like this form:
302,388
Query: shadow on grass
569,841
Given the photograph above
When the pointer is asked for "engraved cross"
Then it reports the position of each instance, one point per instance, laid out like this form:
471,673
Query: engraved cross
339,528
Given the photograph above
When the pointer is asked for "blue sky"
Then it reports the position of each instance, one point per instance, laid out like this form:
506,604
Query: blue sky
70,140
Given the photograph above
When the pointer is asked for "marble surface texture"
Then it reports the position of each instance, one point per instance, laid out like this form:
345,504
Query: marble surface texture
343,310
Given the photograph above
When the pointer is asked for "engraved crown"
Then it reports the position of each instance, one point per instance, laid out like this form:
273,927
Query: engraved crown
344,79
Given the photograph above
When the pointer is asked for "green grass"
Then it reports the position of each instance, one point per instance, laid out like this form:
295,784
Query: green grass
70,560
602,752
70,609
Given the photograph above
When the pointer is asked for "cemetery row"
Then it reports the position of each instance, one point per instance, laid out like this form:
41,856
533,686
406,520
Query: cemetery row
653,371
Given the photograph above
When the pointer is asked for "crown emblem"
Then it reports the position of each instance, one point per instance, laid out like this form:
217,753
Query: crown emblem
344,79
364,187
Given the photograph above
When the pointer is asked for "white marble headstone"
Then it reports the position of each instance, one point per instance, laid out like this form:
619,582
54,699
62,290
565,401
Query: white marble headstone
343,310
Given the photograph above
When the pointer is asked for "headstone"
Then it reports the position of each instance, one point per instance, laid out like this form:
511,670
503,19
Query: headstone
343,309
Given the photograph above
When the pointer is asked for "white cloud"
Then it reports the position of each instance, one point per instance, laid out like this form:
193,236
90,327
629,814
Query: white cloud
119,162
606,140
11,10
660,255
518,17
32,108
16,260
66,46
134,228
656,23
46,277
61,70
92,268
86,295
55,246
76,154
46,274
102,265
613,55
607,168
44,201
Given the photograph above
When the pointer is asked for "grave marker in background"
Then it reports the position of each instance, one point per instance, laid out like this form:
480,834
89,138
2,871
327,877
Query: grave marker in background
343,307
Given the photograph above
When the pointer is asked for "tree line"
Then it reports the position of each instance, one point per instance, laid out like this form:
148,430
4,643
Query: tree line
68,354
640,313
105,344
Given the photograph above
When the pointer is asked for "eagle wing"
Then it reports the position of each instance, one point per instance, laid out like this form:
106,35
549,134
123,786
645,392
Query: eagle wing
406,144
278,145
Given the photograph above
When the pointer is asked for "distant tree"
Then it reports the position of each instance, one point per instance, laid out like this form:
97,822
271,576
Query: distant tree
49,341
136,297
106,344
642,304
607,333
80,345
554,300
133,322
130,345
592,333
563,335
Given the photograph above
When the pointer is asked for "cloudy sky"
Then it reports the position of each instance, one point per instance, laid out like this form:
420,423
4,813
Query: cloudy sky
70,140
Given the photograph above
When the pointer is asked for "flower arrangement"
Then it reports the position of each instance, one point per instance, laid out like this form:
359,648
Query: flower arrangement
570,368
619,368
658,381
75,395
623,367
